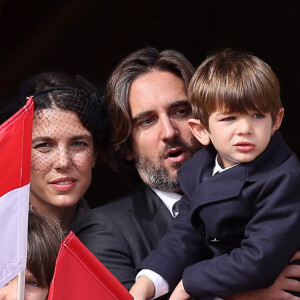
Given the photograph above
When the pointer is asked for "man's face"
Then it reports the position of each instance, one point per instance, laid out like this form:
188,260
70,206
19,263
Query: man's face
161,140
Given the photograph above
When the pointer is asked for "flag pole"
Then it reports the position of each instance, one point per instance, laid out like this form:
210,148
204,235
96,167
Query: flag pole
21,285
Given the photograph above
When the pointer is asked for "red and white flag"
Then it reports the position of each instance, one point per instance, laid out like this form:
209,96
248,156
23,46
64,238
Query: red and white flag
15,154
80,275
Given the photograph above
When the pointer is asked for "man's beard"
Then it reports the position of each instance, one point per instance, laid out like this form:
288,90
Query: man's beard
156,174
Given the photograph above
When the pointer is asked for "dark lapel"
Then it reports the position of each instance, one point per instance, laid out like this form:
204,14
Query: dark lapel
150,216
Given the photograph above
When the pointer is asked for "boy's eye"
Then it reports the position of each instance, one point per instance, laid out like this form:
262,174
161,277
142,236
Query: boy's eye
231,118
258,116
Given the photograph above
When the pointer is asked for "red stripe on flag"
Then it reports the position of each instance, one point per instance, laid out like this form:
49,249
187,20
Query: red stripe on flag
15,141
80,275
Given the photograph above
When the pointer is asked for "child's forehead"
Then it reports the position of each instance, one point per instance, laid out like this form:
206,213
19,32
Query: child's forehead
237,107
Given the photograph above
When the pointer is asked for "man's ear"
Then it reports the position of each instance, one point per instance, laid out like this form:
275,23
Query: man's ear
129,155
278,120
199,132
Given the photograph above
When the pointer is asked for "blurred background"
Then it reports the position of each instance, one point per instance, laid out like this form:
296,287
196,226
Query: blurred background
90,37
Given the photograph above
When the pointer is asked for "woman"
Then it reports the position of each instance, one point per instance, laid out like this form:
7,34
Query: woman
44,238
68,122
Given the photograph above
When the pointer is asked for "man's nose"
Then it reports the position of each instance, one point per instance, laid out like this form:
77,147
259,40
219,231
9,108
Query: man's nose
169,129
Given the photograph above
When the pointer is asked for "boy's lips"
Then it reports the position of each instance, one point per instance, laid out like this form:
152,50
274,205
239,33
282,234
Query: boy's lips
176,155
244,146
63,184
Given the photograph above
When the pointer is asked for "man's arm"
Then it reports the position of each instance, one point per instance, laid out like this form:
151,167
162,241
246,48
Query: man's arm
286,281
99,233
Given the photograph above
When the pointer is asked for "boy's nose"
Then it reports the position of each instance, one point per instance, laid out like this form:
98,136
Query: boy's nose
244,127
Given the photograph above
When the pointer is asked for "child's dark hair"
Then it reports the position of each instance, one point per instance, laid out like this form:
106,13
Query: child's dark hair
44,238
234,81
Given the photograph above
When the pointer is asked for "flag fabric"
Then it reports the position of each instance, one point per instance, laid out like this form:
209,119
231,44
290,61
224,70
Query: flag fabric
80,275
15,154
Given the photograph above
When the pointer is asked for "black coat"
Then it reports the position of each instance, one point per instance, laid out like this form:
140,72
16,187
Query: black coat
122,233
247,218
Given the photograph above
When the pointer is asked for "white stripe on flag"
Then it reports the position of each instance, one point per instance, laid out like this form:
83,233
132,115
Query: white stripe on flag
13,230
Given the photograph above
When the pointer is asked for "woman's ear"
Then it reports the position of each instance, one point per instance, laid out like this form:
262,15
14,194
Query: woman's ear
278,120
199,132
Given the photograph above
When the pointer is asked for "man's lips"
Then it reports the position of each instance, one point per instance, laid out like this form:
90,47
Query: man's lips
176,155
63,184
244,146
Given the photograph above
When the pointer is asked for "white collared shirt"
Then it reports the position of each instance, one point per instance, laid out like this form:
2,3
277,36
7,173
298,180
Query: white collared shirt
168,198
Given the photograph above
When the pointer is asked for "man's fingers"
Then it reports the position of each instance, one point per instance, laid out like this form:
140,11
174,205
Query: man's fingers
291,271
296,256
291,285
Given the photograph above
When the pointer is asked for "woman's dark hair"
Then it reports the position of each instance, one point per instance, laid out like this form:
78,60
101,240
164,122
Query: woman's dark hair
44,238
64,91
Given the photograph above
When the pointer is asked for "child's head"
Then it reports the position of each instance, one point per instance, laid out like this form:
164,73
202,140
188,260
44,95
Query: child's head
44,238
236,97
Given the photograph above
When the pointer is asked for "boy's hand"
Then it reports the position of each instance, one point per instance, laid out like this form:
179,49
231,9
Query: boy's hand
143,289
179,293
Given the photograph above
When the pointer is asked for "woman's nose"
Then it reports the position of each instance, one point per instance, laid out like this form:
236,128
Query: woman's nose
62,158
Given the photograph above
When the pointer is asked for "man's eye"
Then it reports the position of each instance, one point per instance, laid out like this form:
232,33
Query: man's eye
146,122
182,112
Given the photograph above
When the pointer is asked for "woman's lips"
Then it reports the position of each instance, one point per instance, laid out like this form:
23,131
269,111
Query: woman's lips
63,184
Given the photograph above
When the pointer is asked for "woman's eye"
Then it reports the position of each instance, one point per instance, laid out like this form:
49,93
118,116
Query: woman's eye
80,144
42,147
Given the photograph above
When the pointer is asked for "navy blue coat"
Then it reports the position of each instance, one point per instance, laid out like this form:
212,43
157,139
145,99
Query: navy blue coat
237,230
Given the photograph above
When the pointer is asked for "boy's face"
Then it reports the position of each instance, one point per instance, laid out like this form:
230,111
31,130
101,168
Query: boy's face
238,138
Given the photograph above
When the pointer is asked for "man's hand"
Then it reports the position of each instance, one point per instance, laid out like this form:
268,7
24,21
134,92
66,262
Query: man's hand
278,290
179,293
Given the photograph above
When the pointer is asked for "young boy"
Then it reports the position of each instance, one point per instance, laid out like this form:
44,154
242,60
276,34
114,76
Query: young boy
239,218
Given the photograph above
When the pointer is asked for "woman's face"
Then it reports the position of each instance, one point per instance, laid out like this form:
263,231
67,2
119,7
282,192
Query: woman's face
33,291
62,160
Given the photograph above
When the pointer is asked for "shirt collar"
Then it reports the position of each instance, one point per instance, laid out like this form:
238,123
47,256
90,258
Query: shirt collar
168,198
218,169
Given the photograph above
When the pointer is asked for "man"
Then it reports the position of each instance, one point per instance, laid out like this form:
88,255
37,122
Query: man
148,129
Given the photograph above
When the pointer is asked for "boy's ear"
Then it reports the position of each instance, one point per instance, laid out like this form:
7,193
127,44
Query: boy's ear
278,120
199,132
